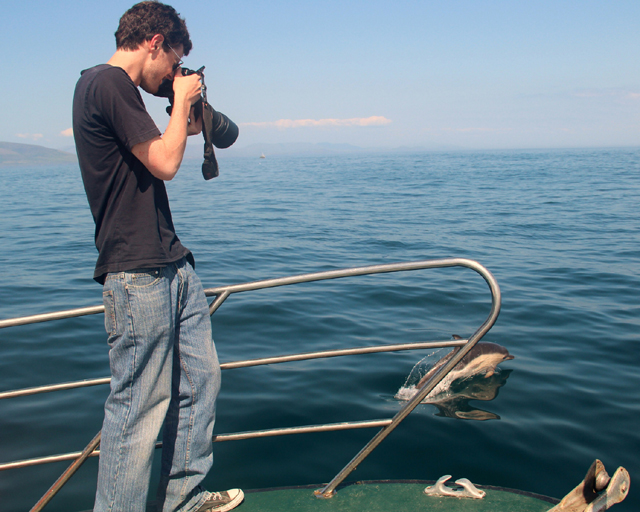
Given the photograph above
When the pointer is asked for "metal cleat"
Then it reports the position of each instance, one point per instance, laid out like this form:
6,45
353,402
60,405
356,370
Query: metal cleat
468,489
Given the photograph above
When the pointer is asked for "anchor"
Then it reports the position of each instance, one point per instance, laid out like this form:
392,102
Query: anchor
597,492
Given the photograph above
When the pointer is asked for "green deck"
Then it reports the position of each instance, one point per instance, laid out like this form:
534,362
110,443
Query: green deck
388,497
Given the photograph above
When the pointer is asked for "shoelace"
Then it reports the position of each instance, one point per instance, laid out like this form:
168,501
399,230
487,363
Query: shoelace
216,496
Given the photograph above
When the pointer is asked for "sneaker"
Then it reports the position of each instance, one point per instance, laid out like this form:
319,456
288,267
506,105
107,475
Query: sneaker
222,501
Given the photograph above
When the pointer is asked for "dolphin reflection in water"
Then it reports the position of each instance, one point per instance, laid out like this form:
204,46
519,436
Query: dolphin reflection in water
475,377
455,403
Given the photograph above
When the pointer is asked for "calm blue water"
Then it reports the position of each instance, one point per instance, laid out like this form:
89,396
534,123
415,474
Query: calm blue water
558,229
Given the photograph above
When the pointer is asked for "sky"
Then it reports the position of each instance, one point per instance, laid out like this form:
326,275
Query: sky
435,74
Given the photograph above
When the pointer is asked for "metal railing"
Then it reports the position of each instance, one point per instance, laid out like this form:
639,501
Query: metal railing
220,294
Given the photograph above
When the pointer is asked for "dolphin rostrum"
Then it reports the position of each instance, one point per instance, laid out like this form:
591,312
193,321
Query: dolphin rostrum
482,358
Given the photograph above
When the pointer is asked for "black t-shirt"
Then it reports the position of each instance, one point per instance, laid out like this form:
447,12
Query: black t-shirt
130,207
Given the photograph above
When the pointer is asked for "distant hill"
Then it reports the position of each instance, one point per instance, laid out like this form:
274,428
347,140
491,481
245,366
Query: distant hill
14,154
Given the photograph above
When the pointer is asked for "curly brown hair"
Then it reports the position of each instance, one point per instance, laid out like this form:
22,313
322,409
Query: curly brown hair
146,19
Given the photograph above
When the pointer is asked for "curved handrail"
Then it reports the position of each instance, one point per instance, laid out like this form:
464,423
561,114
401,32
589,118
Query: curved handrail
221,293
329,490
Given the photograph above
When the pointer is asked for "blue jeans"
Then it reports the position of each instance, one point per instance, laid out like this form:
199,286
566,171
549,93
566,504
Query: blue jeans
164,369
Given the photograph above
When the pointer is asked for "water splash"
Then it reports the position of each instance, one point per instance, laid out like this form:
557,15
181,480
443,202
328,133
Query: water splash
421,368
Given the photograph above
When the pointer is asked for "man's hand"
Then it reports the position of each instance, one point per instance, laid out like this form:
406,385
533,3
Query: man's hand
186,88
195,126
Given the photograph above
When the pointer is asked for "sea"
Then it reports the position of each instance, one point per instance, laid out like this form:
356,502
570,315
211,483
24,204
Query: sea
559,229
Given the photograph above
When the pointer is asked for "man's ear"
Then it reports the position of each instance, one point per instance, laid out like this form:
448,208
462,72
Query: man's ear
156,42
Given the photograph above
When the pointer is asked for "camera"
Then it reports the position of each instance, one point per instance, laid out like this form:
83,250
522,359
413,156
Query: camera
217,129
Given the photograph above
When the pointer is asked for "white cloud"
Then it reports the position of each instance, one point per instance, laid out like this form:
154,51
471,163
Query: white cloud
314,123
34,136
67,133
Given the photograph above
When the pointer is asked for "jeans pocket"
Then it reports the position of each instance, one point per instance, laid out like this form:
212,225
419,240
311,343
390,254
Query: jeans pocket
109,312
142,278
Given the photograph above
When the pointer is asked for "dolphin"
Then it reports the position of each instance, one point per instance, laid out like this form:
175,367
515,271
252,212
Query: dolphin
482,358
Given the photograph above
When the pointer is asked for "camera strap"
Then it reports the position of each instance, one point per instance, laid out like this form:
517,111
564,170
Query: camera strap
210,164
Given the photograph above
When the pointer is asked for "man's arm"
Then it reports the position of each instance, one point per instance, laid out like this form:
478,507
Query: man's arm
163,155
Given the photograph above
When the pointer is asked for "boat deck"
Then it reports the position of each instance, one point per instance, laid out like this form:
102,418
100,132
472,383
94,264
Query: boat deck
390,496
386,496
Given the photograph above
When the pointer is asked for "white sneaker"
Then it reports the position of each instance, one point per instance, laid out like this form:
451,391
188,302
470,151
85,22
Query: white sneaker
222,501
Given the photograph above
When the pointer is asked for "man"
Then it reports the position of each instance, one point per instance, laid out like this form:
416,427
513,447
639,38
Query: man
163,361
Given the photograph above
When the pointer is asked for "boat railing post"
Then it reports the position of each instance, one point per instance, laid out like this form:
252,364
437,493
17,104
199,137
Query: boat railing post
64,477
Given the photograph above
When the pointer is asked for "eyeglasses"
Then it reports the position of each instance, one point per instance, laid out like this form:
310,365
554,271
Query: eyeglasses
177,64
